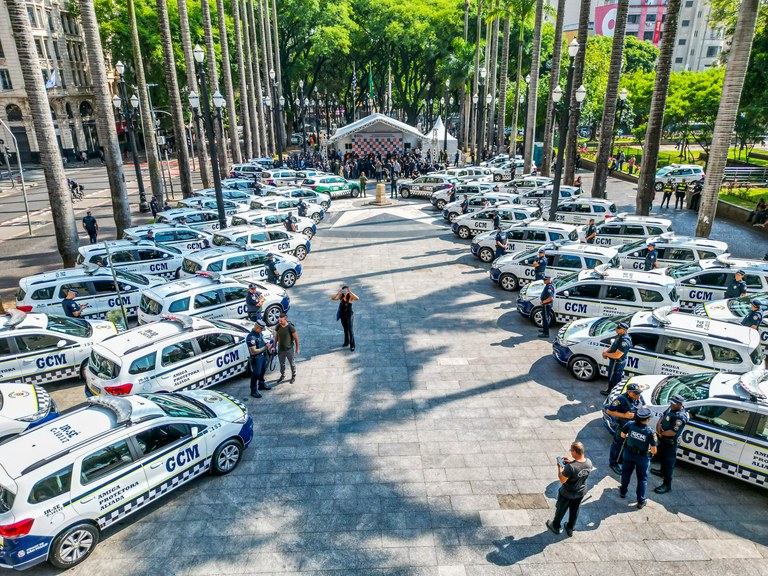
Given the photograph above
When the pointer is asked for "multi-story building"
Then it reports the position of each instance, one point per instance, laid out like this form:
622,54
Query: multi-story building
61,49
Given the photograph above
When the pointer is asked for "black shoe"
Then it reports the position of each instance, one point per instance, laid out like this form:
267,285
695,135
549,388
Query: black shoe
622,494
641,505
663,489
552,527
656,472
604,392
265,387
543,335
255,395
352,348
616,468
569,531
282,377
293,379
345,344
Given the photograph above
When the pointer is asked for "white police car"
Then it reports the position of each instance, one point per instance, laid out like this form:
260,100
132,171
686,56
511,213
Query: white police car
602,291
280,177
280,204
626,229
270,219
735,309
672,250
43,348
309,196
528,182
205,220
581,210
208,203
23,406
441,197
426,185
478,202
238,195
542,196
44,293
239,184
663,342
270,240
707,280
513,271
245,171
675,173
176,353
184,238
64,482
244,264
468,225
210,296
133,256
523,236
470,173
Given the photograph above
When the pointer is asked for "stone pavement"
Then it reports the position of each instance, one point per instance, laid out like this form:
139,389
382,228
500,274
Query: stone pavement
430,451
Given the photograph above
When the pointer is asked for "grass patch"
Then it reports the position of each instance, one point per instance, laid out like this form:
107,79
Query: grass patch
733,154
744,198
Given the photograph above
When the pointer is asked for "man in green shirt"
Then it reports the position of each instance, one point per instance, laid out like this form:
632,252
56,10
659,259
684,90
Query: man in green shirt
363,182
286,337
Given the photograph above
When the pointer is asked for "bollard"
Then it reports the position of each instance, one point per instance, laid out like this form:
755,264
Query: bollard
381,194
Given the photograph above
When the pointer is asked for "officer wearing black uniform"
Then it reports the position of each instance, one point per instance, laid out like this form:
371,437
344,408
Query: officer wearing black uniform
91,227
72,308
640,444
738,287
452,195
258,350
651,257
302,208
617,356
540,265
253,303
465,205
290,223
623,409
272,274
547,299
502,242
755,317
591,232
496,221
150,236
668,429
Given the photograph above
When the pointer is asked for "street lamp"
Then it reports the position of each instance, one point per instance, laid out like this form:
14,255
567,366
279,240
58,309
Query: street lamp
134,101
623,95
201,108
557,94
316,103
445,120
278,110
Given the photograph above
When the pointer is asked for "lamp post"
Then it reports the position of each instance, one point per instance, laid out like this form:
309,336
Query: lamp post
448,100
195,102
316,104
278,111
475,98
524,101
623,95
429,107
480,129
557,94
117,101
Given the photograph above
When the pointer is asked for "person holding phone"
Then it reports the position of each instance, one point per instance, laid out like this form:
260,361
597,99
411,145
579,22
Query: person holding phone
572,473
345,314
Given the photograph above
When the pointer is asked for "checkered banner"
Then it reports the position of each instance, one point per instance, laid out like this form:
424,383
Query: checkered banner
377,142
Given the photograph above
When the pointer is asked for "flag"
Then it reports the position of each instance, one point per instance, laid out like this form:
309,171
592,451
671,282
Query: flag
389,88
371,93
51,82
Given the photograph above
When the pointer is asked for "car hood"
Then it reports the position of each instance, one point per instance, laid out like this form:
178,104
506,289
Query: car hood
23,400
718,310
223,405
102,329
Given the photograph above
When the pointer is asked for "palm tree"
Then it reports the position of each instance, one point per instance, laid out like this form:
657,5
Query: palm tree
259,107
521,12
174,97
147,127
229,93
611,99
533,88
503,78
247,62
578,79
265,33
50,157
242,81
492,75
476,78
213,81
460,73
105,120
466,18
733,85
189,64
554,81
278,66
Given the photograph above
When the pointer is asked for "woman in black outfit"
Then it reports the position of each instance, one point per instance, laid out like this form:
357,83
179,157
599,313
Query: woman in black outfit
345,296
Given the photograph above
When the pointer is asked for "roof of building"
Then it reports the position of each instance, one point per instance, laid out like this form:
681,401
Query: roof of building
363,123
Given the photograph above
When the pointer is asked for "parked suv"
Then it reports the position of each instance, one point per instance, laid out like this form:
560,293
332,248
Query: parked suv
676,173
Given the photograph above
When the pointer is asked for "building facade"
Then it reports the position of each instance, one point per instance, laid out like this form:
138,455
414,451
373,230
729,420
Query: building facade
61,49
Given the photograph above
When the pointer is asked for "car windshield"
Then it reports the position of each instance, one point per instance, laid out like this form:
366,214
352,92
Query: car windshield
190,267
225,326
170,249
177,406
70,326
741,306
130,277
627,248
219,240
102,367
566,280
677,272
691,387
606,325
662,171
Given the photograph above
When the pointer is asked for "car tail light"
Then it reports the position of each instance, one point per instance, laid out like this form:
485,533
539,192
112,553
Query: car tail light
26,309
17,529
121,390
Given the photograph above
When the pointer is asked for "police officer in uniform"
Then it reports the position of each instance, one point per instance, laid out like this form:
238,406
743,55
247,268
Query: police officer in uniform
540,265
668,429
591,232
640,444
72,308
680,191
502,242
669,187
452,195
651,257
617,355
150,236
547,299
272,273
290,223
258,350
496,220
465,205
91,227
302,208
738,287
755,317
253,303
623,409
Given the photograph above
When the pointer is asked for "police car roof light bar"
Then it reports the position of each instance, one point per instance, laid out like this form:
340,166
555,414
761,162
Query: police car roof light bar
186,322
215,276
90,269
750,383
601,270
667,235
16,317
661,315
725,259
121,407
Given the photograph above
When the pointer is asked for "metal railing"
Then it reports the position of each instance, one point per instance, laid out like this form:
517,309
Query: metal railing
755,175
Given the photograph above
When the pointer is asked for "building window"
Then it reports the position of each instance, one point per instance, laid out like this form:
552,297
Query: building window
2,54
31,14
12,111
695,33
685,23
648,35
689,3
713,51
50,20
650,18
699,14
5,80
633,19
681,42
39,47
45,75
64,22
56,50
679,60
80,52
68,108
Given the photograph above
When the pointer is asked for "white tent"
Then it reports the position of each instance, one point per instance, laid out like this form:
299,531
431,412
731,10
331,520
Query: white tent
378,134
435,139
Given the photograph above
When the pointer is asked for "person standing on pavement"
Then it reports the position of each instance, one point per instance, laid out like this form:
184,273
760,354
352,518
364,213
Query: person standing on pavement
572,473
363,184
650,257
502,242
668,430
290,223
680,190
547,299
465,205
393,184
738,287
617,356
345,314
91,227
301,208
71,308
754,318
253,303
496,220
153,206
591,232
623,409
286,338
258,350
640,443
669,187
540,265
696,196
273,275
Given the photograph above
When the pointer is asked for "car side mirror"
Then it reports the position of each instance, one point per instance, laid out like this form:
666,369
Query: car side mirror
195,431
692,281
566,294
61,343
635,254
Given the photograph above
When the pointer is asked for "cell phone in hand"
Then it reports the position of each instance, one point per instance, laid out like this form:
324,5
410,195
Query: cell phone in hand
561,461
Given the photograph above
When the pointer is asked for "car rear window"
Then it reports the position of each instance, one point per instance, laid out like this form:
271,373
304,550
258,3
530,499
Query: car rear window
103,367
190,267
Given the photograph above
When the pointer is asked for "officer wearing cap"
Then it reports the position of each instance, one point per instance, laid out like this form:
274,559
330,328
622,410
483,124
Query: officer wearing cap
91,227
738,287
302,207
253,303
464,205
755,317
640,444
502,242
617,356
272,274
540,265
623,409
591,233
452,194
290,223
72,308
258,350
496,220
668,429
650,257
150,236
547,299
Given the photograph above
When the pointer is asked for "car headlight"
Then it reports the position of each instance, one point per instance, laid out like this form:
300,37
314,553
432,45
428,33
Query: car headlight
34,417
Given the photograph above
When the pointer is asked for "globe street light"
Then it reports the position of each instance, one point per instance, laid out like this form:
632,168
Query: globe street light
475,98
623,95
117,102
277,111
445,120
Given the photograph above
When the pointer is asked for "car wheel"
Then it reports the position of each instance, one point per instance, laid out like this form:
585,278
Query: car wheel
288,278
509,282
226,457
583,368
316,217
308,233
659,186
497,177
452,216
537,316
440,204
355,192
272,314
73,546
486,255
300,252
83,369
464,232
405,193
324,205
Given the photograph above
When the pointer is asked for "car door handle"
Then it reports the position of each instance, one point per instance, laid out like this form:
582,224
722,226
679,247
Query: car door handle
156,465
210,361
86,501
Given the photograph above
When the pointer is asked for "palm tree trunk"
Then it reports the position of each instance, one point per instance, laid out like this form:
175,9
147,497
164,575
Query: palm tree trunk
189,64
466,19
482,107
229,93
611,99
147,128
59,196
213,82
647,177
513,135
242,82
278,69
254,96
105,120
533,88
262,120
493,75
174,97
265,33
578,79
503,79
733,85
478,37
554,80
